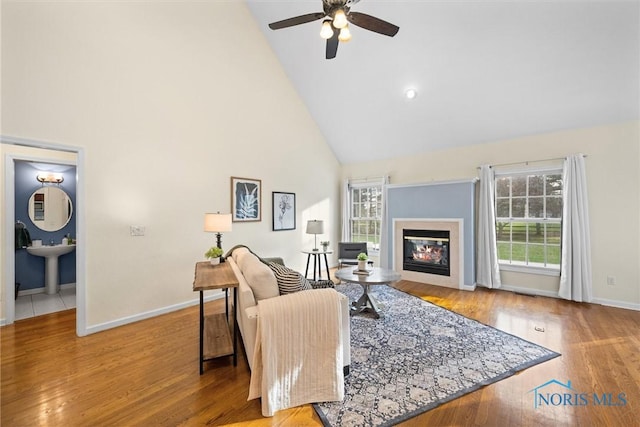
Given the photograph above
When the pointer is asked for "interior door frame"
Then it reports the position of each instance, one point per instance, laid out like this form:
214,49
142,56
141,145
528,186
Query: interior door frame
79,210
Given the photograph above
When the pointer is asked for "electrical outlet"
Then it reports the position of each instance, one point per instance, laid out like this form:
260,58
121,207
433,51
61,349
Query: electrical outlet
136,230
611,280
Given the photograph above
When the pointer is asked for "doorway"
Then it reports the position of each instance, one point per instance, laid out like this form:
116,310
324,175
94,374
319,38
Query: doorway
15,150
45,221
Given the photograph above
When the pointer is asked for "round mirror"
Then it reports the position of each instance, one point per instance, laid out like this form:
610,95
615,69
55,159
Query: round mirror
50,208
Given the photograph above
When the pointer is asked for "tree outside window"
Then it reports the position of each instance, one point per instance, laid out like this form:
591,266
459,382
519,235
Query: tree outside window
528,219
366,215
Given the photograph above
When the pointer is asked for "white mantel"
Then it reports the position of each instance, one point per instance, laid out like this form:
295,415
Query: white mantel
455,227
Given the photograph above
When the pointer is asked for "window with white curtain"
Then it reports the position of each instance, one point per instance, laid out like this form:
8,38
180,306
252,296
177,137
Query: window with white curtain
366,215
529,219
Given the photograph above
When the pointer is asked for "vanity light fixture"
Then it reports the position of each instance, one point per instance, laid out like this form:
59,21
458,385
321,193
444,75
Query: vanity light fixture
50,177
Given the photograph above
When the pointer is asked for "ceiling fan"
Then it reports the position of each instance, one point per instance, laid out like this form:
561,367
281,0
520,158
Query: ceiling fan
335,27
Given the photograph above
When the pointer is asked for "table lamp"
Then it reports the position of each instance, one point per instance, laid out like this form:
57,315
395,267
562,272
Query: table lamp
217,223
315,227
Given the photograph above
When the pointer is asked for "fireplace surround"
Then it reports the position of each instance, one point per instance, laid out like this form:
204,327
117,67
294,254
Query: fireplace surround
434,205
430,239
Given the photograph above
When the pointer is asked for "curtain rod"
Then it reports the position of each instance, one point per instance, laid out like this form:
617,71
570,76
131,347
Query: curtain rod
366,179
526,162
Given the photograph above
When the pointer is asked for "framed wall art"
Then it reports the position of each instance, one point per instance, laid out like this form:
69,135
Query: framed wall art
246,199
284,211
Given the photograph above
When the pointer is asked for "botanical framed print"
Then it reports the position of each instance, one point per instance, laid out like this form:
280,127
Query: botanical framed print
284,211
246,199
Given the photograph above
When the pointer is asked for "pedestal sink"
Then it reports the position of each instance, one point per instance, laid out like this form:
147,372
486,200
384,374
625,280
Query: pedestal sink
51,254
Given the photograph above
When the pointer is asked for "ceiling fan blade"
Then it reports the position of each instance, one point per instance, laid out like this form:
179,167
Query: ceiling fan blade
302,19
332,45
372,23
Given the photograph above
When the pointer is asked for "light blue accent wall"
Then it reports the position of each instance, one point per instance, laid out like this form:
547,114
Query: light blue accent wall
437,200
29,268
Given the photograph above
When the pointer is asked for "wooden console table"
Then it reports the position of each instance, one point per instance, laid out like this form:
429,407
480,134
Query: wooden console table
215,340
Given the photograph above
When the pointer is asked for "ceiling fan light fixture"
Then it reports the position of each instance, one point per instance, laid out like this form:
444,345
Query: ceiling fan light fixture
326,32
345,34
340,19
336,16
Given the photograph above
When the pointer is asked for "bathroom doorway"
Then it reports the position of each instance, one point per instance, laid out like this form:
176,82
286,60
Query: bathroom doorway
45,222
14,151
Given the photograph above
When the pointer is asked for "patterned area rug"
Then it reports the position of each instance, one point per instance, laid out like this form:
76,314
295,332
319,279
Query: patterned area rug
418,356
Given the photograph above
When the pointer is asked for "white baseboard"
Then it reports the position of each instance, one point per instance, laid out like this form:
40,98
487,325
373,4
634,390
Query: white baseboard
41,290
146,315
617,304
551,294
130,319
33,291
529,291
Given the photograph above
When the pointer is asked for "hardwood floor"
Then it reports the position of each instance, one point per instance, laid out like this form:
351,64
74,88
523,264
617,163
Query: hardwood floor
146,374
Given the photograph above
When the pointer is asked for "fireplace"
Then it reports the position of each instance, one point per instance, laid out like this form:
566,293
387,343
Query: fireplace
426,251
449,271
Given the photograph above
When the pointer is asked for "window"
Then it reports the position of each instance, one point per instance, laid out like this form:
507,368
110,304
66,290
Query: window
528,218
366,215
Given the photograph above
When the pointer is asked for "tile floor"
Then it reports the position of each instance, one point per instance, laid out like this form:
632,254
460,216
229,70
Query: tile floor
39,304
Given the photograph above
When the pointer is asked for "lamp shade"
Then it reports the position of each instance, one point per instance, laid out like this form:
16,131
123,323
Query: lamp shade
315,226
326,32
217,222
340,19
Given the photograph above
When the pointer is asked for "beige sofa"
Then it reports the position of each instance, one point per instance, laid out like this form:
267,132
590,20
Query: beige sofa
257,281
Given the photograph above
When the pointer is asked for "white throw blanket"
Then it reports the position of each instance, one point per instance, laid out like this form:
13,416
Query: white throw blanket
298,353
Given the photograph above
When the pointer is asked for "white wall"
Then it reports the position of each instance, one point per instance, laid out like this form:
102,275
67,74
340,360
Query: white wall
613,174
168,100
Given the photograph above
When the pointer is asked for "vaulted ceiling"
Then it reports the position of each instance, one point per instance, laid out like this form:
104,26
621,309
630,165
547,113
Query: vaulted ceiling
484,71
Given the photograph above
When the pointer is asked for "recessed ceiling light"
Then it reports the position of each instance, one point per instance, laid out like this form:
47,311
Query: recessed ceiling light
411,93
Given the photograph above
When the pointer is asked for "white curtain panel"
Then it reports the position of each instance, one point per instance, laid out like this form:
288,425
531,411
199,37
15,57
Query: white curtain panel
488,273
346,206
384,225
575,264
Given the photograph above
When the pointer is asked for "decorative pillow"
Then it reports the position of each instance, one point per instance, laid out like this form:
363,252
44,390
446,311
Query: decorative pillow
289,280
260,278
319,284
